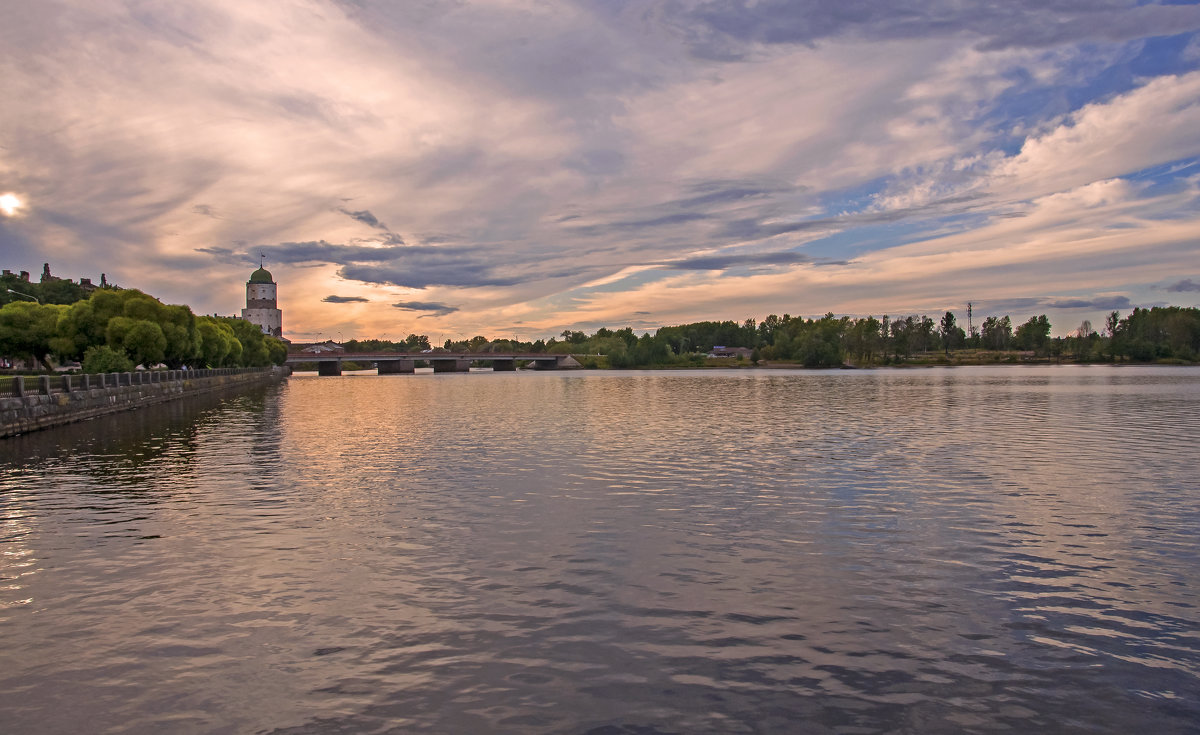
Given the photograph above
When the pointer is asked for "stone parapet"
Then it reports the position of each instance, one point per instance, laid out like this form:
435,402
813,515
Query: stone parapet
36,405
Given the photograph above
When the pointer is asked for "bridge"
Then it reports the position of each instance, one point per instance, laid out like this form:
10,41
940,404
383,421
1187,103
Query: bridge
395,363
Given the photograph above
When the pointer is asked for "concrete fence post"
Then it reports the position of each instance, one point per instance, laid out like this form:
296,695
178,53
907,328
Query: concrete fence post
67,384
85,382
18,386
44,385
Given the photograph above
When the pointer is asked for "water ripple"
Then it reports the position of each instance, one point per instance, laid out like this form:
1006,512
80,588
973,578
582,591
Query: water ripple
617,553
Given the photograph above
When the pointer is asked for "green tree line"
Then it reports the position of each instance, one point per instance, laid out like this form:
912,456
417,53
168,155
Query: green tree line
117,329
1160,333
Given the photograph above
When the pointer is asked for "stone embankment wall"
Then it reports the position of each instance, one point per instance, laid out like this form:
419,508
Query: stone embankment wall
28,403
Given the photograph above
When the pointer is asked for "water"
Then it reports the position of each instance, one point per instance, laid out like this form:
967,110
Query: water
942,550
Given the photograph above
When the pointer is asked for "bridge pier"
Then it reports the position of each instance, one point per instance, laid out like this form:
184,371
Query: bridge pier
330,367
450,365
396,367
504,366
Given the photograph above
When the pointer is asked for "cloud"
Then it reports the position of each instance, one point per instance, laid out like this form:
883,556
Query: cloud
1001,306
1155,124
1037,305
407,266
365,217
607,158
345,299
718,192
752,229
731,29
1105,303
735,260
433,307
1186,284
426,270
222,252
319,251
640,224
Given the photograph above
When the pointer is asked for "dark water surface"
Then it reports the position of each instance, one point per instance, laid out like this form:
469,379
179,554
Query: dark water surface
966,550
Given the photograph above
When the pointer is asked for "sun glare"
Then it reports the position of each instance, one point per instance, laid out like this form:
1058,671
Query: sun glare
9,204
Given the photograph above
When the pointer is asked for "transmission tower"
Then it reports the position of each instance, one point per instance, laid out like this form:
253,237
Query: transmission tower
970,326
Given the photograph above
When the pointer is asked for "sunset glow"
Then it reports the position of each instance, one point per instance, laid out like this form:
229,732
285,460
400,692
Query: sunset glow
492,168
9,204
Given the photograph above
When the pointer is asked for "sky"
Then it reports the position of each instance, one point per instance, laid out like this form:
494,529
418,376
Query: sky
516,168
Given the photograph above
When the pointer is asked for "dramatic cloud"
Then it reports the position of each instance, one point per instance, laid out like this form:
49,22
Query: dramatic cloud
1107,303
590,162
365,217
735,260
324,252
726,29
434,309
1185,285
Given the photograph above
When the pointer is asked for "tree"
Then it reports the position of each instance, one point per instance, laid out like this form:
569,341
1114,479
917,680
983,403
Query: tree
178,325
218,344
903,335
947,329
416,343
1034,334
254,351
145,343
1111,324
817,352
78,328
27,328
863,339
104,359
996,334
277,350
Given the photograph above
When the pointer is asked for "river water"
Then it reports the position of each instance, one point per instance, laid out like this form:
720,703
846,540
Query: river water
614,553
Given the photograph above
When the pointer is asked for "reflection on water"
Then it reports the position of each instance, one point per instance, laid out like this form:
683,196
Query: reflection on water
648,552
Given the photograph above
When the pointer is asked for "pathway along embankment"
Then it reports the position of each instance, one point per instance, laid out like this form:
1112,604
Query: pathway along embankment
28,403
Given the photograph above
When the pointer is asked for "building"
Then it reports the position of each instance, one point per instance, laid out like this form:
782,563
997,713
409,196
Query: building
261,306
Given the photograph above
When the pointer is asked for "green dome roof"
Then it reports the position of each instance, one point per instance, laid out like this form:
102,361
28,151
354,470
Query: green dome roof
262,275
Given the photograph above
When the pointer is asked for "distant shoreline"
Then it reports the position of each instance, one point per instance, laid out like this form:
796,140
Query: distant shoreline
796,366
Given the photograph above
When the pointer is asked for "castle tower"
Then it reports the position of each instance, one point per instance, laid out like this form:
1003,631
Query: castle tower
261,307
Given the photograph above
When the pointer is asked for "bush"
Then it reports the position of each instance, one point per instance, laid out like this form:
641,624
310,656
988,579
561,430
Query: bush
104,359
